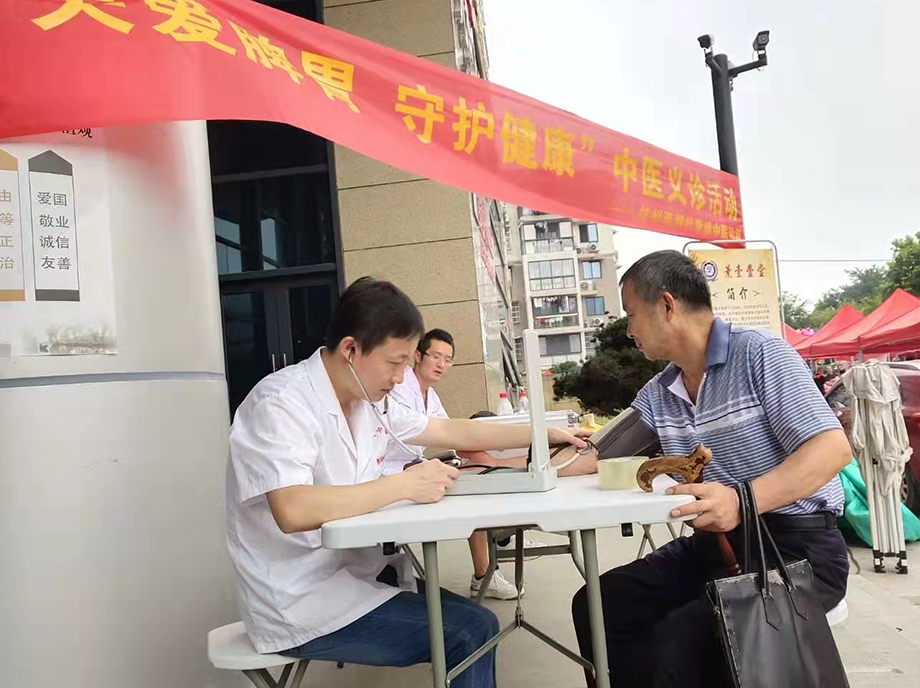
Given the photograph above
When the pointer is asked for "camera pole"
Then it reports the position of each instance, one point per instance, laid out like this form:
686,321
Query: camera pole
723,75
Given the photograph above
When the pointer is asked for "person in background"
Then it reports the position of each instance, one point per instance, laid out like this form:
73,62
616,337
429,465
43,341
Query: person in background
434,356
821,378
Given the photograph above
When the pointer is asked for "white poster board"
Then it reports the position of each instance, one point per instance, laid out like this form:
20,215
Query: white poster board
57,293
743,284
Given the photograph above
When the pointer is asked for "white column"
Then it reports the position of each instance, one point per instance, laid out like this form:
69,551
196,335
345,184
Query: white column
112,467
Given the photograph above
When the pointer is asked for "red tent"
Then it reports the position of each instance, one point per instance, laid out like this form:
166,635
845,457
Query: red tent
848,342
792,336
901,334
845,317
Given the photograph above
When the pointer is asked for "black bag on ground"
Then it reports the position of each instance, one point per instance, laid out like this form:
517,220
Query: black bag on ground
772,626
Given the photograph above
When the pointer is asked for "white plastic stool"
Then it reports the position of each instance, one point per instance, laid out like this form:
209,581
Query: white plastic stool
229,648
838,614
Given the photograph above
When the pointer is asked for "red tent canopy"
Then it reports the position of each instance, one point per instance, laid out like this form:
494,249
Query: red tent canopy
901,334
792,336
848,342
845,317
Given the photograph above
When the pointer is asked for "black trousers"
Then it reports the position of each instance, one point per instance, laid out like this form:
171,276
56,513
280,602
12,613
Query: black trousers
660,625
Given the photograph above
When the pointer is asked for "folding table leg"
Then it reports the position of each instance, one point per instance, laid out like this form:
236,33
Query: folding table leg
435,621
646,537
595,608
298,675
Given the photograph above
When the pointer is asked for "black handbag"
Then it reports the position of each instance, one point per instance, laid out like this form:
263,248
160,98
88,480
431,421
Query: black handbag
773,629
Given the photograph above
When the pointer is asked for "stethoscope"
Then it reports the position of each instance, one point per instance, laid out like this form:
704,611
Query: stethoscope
415,451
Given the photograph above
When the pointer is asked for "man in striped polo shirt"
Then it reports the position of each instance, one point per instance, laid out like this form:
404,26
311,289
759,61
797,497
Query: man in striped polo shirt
749,397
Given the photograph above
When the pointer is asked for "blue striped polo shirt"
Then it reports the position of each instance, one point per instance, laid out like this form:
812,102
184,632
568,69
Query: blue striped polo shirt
757,404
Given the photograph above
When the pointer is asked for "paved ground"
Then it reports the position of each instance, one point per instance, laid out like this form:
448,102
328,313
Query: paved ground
879,642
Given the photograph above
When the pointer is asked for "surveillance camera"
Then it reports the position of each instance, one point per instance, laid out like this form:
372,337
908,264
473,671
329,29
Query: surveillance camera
760,43
706,41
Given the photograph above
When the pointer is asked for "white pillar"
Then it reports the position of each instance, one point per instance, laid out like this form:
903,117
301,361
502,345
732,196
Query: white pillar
113,563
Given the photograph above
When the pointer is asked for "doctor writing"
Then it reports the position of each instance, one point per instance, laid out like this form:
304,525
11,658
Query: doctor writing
308,446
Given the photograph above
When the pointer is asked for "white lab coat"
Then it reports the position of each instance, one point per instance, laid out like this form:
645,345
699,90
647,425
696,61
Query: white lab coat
408,393
291,430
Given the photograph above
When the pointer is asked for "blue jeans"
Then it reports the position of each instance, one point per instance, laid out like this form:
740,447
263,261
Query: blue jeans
396,634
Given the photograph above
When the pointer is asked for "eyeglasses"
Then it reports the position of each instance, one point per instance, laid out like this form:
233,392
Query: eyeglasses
438,358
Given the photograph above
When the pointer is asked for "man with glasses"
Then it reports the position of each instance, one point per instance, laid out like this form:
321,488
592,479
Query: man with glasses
433,358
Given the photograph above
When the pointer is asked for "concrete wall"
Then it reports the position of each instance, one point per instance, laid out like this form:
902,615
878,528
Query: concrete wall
410,230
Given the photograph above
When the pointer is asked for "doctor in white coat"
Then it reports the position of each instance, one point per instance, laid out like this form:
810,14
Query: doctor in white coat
307,446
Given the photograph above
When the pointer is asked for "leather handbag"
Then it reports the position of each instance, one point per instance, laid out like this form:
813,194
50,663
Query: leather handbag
772,626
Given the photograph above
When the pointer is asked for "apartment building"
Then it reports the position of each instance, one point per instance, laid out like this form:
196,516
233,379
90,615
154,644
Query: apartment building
564,282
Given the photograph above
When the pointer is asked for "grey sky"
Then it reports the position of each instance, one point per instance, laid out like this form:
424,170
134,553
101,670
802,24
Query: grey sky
828,142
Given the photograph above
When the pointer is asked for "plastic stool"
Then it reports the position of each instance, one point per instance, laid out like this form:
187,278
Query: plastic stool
229,648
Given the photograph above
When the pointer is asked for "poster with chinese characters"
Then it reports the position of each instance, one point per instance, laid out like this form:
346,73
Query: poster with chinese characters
57,292
12,274
54,239
743,285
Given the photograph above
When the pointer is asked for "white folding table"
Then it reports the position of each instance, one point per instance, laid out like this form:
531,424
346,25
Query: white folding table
576,504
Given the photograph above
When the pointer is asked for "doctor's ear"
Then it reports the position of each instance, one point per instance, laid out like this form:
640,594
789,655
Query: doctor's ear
348,347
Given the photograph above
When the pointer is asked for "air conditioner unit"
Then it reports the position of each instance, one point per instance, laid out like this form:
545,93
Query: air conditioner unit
593,248
579,249
597,322
584,285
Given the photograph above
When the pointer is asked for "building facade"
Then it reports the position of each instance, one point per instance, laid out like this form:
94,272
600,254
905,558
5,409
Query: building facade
564,281
297,218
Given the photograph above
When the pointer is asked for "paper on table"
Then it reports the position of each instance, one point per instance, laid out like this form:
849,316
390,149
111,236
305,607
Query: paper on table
662,483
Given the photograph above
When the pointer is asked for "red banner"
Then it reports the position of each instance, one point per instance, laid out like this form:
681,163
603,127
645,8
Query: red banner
100,63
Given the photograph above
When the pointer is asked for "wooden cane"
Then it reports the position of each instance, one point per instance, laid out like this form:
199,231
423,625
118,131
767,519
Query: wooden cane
690,468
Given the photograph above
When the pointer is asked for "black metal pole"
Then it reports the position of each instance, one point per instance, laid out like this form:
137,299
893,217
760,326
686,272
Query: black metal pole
725,123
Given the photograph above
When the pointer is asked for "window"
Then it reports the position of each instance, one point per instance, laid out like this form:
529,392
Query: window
590,345
591,269
516,313
594,305
588,233
546,237
554,305
265,223
555,311
519,349
551,274
560,344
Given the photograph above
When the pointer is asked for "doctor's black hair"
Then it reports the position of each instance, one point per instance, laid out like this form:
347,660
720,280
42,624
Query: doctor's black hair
672,272
441,335
372,311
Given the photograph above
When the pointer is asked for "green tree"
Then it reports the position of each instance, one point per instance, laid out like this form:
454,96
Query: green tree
796,311
865,291
608,381
821,316
904,268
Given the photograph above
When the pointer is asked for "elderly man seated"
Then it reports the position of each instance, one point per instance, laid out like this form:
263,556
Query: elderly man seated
749,397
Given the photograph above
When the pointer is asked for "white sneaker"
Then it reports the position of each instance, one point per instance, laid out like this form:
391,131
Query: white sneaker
500,588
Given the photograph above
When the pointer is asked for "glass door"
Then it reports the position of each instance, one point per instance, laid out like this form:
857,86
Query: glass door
270,324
